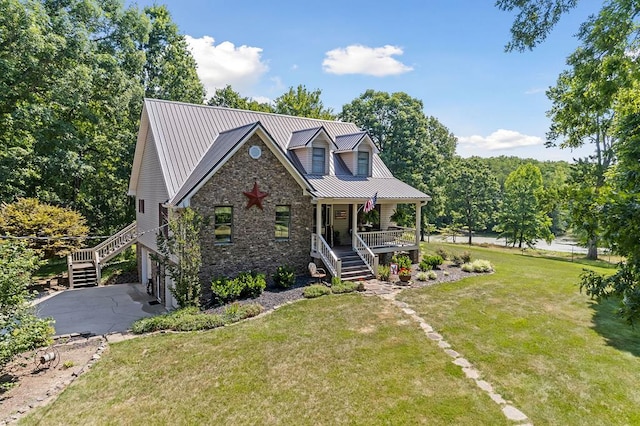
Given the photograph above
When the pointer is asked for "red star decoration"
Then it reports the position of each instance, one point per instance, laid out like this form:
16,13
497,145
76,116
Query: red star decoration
255,196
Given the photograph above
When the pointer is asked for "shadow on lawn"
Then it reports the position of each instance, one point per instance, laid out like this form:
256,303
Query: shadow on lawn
614,329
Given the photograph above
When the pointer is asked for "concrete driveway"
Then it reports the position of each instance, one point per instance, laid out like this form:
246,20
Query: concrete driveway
98,310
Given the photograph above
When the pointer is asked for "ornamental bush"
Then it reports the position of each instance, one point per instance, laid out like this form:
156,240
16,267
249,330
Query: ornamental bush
346,287
433,261
384,272
316,290
251,283
284,277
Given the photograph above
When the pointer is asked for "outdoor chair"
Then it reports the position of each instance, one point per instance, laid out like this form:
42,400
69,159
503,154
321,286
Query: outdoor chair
317,273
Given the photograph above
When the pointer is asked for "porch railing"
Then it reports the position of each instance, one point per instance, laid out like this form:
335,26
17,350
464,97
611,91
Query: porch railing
367,256
401,237
331,261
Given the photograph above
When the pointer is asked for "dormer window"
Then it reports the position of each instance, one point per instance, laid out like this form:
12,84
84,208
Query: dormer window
363,163
318,161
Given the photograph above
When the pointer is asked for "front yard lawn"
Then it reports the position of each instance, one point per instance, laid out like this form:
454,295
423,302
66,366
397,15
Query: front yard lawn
354,359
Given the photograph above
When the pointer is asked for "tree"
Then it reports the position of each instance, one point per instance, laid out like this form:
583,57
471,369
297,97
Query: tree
522,218
473,194
180,255
229,98
21,329
303,103
72,79
56,231
534,21
170,69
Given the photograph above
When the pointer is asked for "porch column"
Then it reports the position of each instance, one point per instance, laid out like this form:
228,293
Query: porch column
418,222
354,223
319,218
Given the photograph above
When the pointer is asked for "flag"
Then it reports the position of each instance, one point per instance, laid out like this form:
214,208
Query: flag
371,203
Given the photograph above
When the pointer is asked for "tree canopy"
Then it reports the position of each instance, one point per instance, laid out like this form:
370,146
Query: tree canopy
72,78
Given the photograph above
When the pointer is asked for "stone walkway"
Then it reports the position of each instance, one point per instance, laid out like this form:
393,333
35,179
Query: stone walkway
389,292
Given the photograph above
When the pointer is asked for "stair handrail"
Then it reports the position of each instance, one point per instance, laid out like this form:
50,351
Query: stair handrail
108,246
368,257
328,256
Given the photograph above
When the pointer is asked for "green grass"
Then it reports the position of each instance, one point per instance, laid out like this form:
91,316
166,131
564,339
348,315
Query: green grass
346,359
51,268
560,357
352,359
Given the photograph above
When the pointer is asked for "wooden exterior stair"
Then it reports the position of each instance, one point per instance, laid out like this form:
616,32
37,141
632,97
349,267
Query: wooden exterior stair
85,265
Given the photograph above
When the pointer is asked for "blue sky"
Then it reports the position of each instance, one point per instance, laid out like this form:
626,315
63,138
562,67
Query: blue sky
447,53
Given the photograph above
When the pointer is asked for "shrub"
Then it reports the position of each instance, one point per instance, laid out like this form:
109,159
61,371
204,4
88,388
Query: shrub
467,267
225,290
383,273
432,275
345,287
316,290
402,260
480,265
422,276
460,258
335,281
433,261
424,266
456,259
251,283
27,216
284,277
442,253
191,319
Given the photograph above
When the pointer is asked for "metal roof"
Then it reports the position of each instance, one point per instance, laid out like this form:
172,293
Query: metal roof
301,138
349,142
184,135
363,188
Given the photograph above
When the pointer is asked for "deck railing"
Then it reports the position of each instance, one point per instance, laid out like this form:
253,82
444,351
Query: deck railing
367,256
109,248
331,261
401,237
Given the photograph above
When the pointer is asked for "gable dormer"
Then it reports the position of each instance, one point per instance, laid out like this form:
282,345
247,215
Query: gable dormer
356,151
313,148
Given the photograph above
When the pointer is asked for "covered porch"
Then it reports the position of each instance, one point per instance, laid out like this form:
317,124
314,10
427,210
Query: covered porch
342,229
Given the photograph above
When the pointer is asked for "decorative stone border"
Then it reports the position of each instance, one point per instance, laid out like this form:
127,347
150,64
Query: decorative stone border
508,409
52,393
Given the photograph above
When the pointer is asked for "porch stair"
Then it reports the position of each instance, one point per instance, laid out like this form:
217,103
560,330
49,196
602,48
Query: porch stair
353,267
85,265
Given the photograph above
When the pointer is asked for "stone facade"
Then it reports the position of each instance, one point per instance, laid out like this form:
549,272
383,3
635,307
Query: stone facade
254,245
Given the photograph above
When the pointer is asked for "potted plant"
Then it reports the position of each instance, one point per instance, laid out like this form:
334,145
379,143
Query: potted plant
404,274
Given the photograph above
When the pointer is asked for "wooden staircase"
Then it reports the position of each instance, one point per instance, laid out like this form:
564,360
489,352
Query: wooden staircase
85,265
353,267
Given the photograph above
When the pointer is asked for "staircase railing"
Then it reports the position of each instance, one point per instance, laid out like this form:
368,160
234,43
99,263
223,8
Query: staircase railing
104,251
330,259
368,257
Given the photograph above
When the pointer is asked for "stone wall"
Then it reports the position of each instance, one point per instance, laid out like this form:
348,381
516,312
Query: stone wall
254,246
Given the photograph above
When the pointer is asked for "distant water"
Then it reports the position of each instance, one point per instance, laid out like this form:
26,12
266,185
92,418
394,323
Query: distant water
566,245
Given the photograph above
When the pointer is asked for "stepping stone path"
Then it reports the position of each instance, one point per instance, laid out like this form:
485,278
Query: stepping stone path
389,292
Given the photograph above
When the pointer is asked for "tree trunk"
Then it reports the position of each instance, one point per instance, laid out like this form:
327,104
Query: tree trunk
592,249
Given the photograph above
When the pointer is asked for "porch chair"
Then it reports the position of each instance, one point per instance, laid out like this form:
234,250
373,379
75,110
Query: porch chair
317,273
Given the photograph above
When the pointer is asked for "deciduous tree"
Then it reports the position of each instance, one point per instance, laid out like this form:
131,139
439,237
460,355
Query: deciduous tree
522,218
473,194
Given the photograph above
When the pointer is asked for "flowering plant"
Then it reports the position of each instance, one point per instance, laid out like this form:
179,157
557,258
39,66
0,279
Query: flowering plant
404,272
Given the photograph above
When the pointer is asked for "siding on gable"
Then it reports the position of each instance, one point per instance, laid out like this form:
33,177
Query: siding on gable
348,159
151,189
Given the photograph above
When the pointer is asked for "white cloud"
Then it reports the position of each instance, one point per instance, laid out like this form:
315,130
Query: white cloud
241,66
261,99
358,59
501,139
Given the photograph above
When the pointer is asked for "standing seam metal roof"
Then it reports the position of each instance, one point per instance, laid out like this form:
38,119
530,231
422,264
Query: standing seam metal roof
183,134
